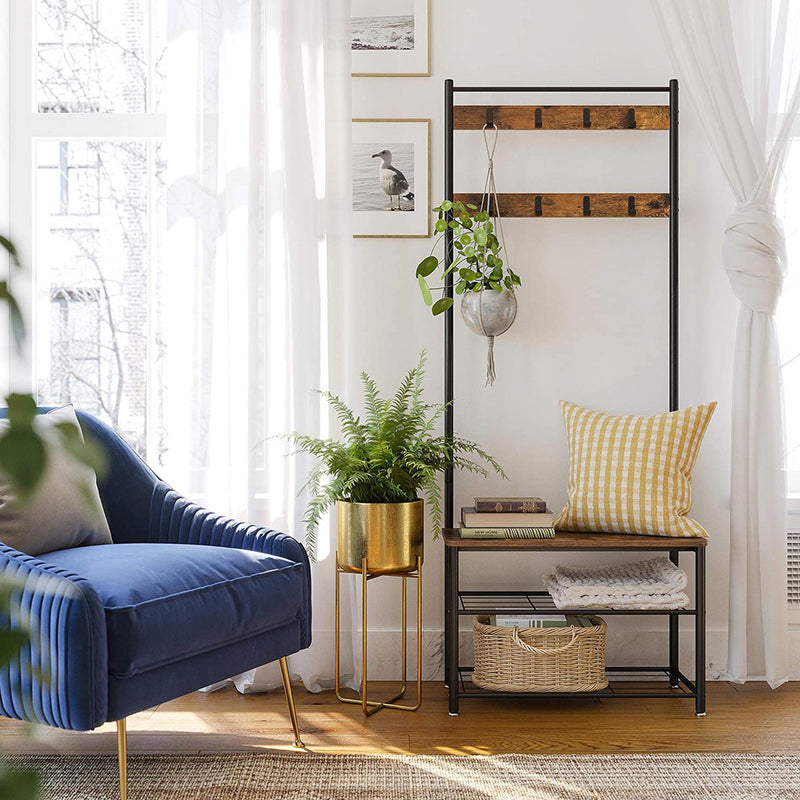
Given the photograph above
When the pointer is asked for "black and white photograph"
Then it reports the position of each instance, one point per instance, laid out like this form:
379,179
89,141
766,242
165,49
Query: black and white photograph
383,176
390,37
390,177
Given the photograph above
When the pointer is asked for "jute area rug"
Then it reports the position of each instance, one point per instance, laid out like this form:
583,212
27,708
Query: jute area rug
258,776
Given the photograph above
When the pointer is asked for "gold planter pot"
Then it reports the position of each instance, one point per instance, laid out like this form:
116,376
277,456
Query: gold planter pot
388,535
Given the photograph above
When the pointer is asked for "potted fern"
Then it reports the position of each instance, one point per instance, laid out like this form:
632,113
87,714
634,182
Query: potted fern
375,473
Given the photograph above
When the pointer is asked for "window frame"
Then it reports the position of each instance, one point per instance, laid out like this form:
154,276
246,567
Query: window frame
28,126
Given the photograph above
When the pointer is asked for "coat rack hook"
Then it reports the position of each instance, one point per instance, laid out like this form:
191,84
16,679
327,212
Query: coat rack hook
490,117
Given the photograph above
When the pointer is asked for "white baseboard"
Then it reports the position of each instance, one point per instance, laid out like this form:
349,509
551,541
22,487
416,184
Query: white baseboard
641,647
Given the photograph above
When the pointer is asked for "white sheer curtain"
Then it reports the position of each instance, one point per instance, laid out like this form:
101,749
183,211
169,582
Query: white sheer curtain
258,130
738,61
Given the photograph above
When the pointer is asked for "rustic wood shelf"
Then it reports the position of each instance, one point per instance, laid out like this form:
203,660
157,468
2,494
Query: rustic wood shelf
562,118
567,540
560,204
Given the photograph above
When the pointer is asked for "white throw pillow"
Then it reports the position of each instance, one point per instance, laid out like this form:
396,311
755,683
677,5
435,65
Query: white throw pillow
65,510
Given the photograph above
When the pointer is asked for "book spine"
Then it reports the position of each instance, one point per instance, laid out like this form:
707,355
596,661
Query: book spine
508,533
519,505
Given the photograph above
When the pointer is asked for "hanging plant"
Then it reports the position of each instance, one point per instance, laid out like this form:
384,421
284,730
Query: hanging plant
488,305
477,261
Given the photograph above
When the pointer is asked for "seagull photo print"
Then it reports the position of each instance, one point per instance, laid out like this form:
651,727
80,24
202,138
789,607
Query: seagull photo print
383,177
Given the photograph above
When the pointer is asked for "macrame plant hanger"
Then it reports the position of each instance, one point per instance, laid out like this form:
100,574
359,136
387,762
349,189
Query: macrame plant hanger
492,324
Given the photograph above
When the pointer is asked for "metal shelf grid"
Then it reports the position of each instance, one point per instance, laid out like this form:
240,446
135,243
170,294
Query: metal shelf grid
539,602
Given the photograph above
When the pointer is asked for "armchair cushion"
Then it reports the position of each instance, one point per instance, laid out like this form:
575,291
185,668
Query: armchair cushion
165,603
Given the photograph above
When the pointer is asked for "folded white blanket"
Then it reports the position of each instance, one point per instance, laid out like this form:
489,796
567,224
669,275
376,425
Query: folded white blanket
655,583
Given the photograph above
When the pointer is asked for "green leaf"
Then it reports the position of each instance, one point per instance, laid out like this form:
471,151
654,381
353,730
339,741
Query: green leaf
454,225
23,458
427,266
465,238
465,220
480,236
441,305
86,450
15,315
426,292
507,282
446,205
496,286
18,784
482,216
457,244
21,410
11,642
8,245
472,207
440,225
460,287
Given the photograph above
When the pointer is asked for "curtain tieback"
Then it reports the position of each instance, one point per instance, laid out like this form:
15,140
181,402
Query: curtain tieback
754,255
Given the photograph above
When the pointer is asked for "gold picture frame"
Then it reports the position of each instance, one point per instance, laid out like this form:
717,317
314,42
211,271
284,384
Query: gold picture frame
389,62
376,214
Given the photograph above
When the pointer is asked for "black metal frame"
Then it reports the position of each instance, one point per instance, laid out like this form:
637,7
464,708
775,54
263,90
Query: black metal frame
458,603
454,673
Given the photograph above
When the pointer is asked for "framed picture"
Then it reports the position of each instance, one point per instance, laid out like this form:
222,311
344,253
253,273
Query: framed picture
391,37
391,177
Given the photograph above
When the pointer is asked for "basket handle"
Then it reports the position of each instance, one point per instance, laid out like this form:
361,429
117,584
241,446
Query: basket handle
544,651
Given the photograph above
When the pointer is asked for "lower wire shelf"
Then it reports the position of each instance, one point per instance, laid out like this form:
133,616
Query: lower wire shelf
684,688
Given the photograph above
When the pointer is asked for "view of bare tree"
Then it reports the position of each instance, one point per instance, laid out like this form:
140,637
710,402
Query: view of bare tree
96,57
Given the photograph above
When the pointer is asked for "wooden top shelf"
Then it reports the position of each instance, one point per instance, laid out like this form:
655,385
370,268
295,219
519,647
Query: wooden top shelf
562,118
559,204
576,541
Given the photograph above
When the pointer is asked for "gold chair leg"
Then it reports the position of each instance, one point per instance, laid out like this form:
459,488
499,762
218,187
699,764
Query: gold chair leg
122,757
287,688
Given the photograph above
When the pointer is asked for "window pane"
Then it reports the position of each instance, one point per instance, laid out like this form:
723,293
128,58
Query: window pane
93,318
95,55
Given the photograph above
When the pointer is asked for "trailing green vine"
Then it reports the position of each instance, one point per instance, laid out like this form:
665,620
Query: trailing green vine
476,247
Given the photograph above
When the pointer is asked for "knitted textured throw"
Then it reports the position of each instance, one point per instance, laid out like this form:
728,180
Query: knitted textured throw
655,583
632,474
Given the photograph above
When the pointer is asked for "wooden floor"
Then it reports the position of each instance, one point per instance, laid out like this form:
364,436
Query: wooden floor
749,718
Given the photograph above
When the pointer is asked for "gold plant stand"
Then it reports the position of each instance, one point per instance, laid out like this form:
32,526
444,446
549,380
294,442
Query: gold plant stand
368,706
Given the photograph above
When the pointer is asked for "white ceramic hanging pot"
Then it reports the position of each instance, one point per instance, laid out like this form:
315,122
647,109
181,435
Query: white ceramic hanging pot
489,313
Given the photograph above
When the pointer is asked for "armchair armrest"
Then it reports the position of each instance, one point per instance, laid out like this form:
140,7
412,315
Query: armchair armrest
61,678
176,520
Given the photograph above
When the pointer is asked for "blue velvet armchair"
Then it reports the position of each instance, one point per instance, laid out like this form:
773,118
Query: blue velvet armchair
183,598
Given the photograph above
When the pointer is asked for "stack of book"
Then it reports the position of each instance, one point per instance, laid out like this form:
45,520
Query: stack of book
507,518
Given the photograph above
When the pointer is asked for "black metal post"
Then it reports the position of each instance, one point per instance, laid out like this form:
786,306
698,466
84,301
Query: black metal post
700,631
451,664
448,317
673,245
673,634
448,614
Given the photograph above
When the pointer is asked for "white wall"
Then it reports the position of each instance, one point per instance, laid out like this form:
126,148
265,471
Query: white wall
592,326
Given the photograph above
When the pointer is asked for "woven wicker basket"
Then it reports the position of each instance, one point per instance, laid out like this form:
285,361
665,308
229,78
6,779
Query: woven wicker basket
567,659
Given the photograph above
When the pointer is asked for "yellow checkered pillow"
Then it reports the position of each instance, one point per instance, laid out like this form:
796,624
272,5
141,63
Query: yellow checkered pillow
632,474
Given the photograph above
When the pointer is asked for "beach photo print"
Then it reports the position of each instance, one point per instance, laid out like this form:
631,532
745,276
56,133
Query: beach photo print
390,37
391,177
